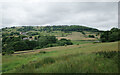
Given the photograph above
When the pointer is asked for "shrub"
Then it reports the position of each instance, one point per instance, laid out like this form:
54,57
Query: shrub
62,42
65,45
94,42
83,32
38,47
11,52
49,45
3,53
42,52
91,36
55,44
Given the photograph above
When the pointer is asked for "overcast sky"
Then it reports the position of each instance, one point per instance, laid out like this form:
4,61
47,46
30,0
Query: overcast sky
100,15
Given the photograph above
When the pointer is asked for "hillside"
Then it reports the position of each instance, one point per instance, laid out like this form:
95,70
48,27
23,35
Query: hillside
80,36
37,37
59,49
64,28
83,58
73,32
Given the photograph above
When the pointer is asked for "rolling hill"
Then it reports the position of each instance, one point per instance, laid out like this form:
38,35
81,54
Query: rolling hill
73,32
77,55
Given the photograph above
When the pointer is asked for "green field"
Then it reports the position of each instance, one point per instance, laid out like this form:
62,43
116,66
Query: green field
77,42
80,58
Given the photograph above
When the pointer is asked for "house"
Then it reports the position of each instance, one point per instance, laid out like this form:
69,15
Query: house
26,38
23,33
97,41
29,38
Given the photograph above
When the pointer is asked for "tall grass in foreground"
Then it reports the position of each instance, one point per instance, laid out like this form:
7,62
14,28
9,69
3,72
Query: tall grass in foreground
80,63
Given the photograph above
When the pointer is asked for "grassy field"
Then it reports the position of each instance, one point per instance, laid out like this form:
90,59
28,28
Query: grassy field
77,42
80,36
71,35
80,58
55,33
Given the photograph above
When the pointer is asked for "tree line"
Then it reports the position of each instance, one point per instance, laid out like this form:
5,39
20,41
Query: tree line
64,28
11,44
110,36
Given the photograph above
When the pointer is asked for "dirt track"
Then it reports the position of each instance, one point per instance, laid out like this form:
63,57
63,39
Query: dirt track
44,49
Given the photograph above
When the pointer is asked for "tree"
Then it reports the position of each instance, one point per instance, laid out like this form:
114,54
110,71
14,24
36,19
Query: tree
31,44
63,41
91,36
104,36
110,36
83,32
20,46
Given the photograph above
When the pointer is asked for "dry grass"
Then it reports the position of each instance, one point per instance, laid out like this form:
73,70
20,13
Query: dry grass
78,36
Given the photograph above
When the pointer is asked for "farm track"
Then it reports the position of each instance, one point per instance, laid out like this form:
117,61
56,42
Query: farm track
59,48
48,49
36,51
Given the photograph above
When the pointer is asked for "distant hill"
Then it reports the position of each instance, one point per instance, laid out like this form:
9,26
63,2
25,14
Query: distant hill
64,28
73,32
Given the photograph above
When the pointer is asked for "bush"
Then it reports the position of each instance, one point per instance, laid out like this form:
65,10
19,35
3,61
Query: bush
45,40
55,44
65,45
3,53
62,42
49,45
8,52
42,52
38,47
11,52
83,32
94,42
91,36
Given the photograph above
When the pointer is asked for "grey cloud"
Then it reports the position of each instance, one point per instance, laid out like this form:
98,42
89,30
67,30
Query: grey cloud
92,14
59,0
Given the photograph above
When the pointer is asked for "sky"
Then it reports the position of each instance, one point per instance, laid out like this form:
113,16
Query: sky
100,15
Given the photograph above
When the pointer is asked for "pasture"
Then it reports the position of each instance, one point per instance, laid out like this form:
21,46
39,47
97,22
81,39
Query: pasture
80,58
79,36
